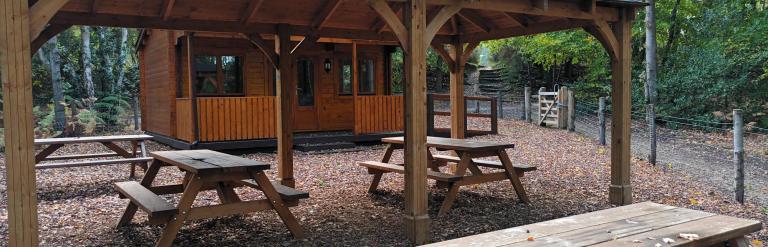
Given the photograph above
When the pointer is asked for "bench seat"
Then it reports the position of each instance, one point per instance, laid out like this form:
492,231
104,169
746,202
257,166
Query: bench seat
93,163
519,168
286,193
158,209
386,167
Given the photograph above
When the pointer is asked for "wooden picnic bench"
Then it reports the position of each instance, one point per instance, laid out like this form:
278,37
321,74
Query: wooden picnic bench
641,224
206,170
466,160
136,157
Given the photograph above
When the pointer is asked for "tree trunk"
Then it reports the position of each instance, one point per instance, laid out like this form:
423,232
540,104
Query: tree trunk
121,59
87,66
672,31
108,82
60,120
650,70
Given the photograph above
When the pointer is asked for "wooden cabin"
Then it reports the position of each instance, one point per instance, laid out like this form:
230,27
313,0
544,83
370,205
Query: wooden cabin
228,87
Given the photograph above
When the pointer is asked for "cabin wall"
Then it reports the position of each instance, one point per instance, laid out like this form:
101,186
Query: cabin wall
257,70
158,88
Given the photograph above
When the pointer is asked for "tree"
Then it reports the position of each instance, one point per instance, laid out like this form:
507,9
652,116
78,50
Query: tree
87,66
53,62
650,78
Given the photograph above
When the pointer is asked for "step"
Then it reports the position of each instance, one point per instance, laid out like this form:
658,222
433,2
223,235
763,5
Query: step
286,193
386,167
154,205
311,147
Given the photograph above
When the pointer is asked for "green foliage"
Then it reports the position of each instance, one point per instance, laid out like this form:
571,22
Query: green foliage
111,109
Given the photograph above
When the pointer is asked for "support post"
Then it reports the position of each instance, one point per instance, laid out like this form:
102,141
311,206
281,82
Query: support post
16,78
601,119
416,218
500,100
571,111
527,104
284,109
651,132
458,108
738,153
355,88
494,117
620,191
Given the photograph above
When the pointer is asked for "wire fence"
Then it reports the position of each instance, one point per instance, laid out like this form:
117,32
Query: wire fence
699,148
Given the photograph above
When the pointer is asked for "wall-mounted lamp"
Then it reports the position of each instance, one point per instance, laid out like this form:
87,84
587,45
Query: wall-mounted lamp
327,65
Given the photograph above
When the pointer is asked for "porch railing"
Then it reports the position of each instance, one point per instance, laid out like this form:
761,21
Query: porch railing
184,129
492,114
236,118
378,113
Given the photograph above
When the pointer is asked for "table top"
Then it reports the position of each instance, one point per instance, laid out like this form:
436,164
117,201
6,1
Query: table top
86,139
641,224
208,161
455,144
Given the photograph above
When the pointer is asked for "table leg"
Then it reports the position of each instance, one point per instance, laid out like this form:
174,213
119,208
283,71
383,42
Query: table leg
432,164
120,151
375,182
453,191
134,148
226,193
388,153
149,177
510,170
277,203
737,242
185,204
46,152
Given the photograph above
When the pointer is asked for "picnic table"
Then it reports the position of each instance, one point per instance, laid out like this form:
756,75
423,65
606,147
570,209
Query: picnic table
206,170
136,157
467,152
641,224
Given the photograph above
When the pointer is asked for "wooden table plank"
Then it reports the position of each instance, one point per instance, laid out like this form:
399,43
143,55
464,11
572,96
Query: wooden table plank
87,139
454,144
587,235
711,231
542,229
207,161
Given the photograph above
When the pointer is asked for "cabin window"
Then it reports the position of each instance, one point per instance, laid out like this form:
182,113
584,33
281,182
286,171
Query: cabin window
305,82
345,77
366,76
218,75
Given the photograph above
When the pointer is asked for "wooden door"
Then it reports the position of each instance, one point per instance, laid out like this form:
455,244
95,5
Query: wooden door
305,99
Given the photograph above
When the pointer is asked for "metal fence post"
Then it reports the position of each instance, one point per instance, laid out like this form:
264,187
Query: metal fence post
652,132
500,101
738,153
601,117
527,104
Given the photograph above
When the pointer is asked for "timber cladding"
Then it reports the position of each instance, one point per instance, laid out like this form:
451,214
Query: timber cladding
156,89
236,118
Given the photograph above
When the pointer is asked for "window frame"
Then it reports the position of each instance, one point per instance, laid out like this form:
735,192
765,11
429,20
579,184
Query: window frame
360,59
220,74
347,60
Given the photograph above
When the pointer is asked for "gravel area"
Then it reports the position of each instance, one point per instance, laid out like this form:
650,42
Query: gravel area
79,207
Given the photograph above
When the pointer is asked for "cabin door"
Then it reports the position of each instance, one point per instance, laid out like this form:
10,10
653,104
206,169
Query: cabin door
305,99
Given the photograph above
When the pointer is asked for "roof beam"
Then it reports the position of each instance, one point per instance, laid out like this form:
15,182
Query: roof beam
454,25
473,17
588,6
381,24
47,34
325,14
166,9
438,21
521,20
41,13
555,8
393,21
260,44
539,4
94,6
250,11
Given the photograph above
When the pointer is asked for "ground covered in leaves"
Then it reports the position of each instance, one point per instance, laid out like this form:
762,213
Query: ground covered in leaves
79,207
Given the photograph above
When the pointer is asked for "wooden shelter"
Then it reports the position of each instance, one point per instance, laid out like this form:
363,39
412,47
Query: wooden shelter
222,96
457,25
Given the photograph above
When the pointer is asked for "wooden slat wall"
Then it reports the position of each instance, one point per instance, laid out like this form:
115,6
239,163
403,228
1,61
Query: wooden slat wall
379,113
236,118
184,128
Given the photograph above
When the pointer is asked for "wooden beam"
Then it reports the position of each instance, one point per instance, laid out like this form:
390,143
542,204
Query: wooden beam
454,26
603,33
380,24
325,14
355,88
445,13
250,11
389,16
284,109
94,6
17,21
620,191
47,34
539,4
588,6
555,8
443,54
475,19
41,13
416,217
468,51
167,9
518,19
458,107
541,27
261,44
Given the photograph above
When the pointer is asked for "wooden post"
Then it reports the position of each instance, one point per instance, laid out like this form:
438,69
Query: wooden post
620,191
494,117
738,153
562,108
431,115
527,104
416,218
16,77
500,100
192,88
458,108
601,117
355,88
571,111
284,109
